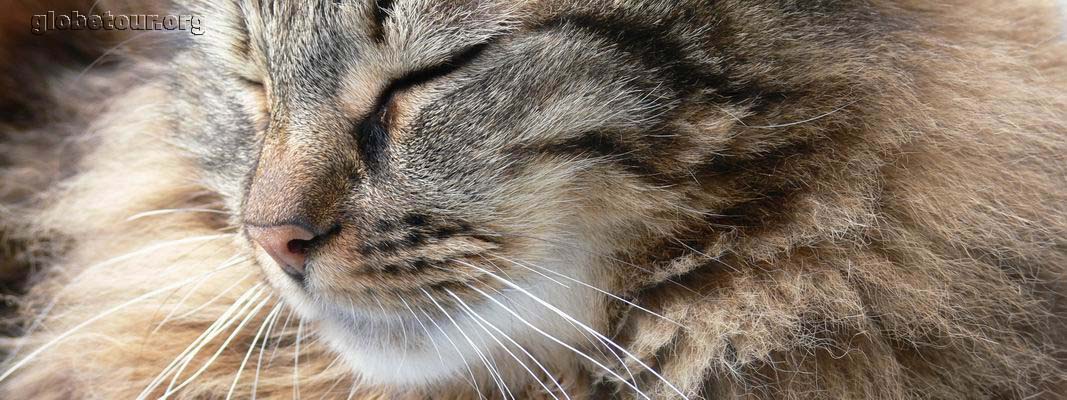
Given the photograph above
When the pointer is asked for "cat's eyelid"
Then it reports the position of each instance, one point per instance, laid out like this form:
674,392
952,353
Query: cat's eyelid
372,130
424,75
250,81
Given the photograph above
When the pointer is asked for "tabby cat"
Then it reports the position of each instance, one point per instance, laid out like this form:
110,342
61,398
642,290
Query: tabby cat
542,199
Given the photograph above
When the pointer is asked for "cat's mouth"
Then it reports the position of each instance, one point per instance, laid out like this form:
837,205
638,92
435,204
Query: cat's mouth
334,287
433,301
441,309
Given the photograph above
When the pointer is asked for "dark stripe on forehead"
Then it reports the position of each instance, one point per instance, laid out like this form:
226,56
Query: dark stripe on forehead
305,49
656,47
380,10
308,68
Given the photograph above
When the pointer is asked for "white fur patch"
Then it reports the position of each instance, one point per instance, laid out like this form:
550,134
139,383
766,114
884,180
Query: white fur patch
402,351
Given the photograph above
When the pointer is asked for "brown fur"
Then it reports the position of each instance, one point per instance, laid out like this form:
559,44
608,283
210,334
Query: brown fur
922,255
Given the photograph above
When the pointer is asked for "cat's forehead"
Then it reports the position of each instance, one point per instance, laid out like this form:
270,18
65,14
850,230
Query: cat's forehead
323,44
423,27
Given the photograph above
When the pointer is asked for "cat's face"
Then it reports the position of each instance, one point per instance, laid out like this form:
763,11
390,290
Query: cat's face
450,175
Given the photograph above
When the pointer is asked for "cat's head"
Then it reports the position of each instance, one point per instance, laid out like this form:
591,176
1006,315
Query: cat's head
421,176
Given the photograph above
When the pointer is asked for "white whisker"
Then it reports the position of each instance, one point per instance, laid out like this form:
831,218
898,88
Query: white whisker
561,343
801,122
251,347
296,359
188,293
108,53
182,361
336,382
539,273
482,322
29,357
424,329
404,331
262,348
114,260
632,304
585,327
225,344
165,211
222,293
352,392
707,256
474,381
285,325
492,371
429,337
596,253
599,348
158,380
153,248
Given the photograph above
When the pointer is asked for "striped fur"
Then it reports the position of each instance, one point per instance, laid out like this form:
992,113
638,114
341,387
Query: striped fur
779,199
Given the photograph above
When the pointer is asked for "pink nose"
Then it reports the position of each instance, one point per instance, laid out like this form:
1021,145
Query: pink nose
286,244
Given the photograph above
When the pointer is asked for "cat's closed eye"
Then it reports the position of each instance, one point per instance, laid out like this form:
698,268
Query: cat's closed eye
254,96
373,130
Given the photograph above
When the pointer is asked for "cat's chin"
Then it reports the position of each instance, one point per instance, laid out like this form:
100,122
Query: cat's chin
382,349
421,348
402,354
423,352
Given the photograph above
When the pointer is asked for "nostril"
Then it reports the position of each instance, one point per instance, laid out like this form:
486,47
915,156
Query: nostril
298,246
287,244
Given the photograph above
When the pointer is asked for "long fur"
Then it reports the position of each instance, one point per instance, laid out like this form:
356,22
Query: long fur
900,234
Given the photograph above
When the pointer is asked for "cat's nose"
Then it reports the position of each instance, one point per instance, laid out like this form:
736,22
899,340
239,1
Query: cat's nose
286,244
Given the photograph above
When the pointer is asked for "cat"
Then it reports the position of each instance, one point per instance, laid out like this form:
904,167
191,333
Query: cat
556,199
